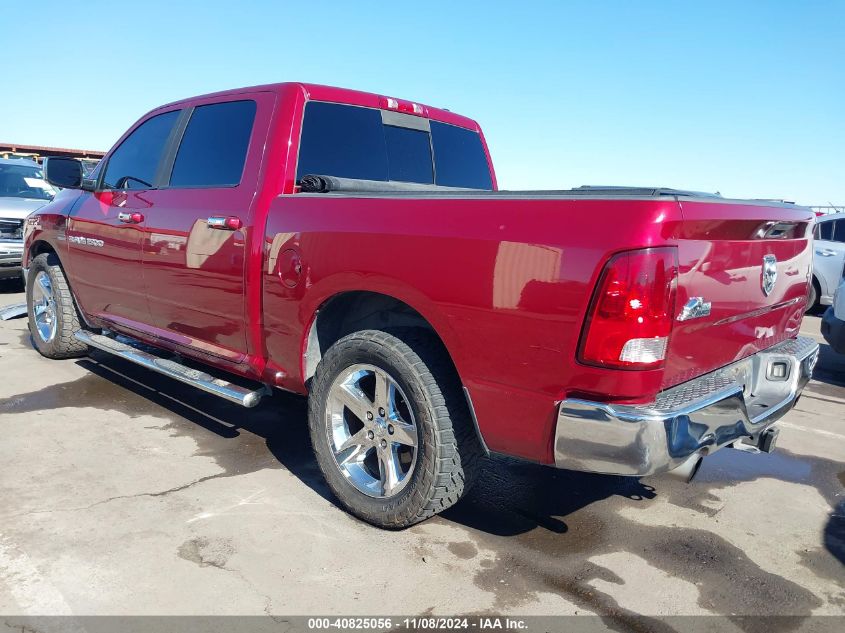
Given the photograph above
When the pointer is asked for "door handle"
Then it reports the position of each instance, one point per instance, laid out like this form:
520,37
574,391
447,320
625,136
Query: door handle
826,252
132,217
224,223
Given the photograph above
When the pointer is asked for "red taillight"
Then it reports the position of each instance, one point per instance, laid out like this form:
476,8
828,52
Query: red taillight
631,314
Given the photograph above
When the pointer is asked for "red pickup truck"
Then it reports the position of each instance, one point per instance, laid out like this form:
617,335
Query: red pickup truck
354,247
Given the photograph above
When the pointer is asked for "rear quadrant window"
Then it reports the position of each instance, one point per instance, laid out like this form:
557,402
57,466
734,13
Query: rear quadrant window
213,149
459,157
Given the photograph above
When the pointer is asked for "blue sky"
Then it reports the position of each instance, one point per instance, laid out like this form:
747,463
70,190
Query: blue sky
745,98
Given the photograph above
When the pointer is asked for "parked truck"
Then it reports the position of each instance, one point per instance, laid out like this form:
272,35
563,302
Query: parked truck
355,248
22,190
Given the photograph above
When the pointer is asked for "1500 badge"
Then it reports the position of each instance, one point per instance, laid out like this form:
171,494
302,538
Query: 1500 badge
85,241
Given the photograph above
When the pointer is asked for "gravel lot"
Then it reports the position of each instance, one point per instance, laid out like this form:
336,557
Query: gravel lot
124,493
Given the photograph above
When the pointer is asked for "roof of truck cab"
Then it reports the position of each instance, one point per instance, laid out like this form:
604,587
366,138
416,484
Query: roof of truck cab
317,92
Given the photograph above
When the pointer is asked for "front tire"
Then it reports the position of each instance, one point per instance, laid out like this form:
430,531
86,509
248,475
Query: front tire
390,427
52,314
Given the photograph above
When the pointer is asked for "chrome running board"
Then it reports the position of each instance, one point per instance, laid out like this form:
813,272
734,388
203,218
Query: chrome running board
129,349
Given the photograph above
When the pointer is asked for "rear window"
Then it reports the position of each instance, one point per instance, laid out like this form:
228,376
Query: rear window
461,161
342,141
354,142
213,148
409,154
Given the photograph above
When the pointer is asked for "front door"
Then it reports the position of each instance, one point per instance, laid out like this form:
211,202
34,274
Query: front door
195,237
106,228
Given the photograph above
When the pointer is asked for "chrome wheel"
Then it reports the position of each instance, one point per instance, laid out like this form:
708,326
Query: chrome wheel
371,431
44,307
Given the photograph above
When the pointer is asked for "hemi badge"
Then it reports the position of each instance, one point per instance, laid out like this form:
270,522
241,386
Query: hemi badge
695,308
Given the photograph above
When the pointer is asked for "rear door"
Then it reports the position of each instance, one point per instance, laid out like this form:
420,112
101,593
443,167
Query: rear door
829,254
196,232
104,231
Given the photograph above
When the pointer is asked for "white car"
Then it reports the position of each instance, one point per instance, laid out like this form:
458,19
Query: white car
833,322
828,258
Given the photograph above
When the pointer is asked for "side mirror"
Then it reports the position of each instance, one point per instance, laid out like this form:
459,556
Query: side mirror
66,173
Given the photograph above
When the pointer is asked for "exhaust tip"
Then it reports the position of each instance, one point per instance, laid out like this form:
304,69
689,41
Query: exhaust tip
687,471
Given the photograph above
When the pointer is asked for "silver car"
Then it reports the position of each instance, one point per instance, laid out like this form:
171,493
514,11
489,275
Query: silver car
828,258
22,190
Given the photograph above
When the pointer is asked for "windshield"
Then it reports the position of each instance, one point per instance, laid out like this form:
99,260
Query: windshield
24,181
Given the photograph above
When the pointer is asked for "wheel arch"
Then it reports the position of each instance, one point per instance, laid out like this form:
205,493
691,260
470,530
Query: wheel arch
38,247
63,318
42,246
820,284
353,310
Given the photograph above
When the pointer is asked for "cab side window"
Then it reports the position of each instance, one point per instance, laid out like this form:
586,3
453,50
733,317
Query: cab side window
838,230
824,231
134,163
214,146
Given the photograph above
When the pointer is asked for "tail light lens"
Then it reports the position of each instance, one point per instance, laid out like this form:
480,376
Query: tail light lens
632,312
400,105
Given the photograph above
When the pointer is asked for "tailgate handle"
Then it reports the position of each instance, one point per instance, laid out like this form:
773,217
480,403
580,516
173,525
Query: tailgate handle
224,223
130,217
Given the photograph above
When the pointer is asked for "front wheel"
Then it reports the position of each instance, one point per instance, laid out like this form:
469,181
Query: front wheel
390,428
52,314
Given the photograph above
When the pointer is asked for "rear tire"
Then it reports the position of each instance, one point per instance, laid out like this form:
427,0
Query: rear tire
435,473
53,318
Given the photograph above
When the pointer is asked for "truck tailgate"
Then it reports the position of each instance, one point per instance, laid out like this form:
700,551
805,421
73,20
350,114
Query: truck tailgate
751,264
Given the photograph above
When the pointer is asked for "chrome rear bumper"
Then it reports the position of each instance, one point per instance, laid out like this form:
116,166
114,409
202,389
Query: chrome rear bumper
695,418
